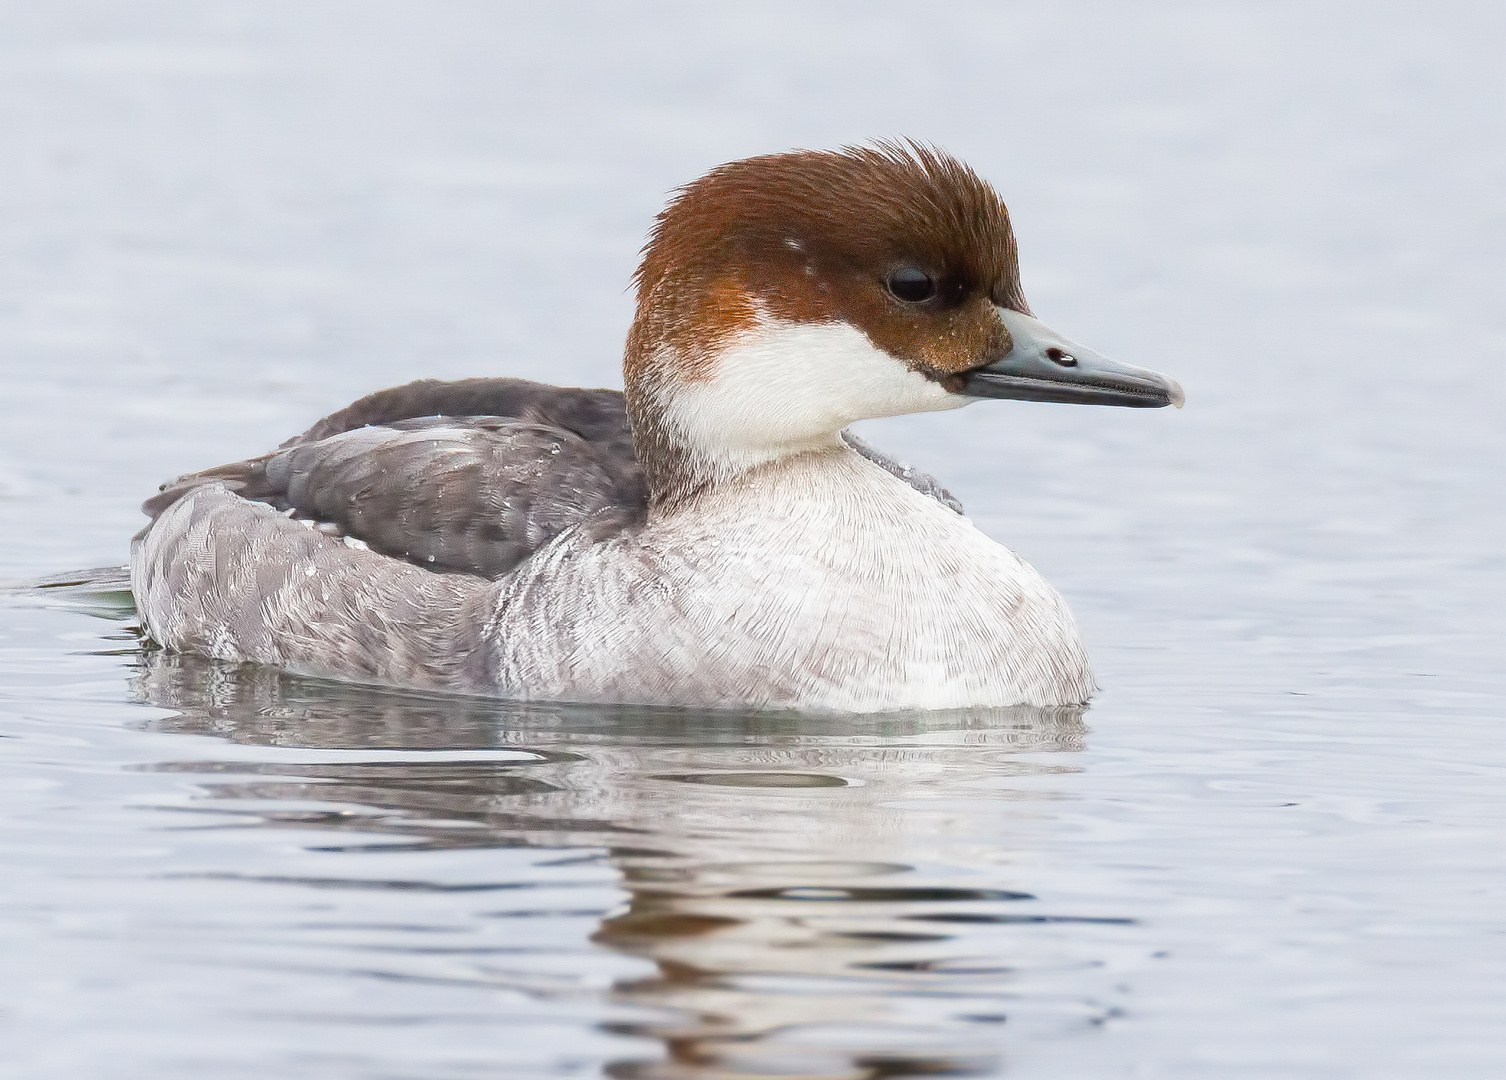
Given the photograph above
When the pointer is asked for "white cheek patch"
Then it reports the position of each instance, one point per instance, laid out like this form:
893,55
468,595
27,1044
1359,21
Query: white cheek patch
783,387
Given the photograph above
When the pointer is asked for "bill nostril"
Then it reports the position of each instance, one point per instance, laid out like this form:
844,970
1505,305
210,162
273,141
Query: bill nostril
1060,356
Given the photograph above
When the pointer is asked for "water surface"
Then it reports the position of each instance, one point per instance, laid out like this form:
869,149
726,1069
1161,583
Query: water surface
1273,846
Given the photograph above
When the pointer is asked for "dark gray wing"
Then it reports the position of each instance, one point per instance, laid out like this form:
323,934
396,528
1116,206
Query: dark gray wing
598,416
464,477
474,495
410,475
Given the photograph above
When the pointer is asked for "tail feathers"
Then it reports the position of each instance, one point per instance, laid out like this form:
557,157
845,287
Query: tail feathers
103,590
246,478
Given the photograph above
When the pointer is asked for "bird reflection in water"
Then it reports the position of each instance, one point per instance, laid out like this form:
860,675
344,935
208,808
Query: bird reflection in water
817,896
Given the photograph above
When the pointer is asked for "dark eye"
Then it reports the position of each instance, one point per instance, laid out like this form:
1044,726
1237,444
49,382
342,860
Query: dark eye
912,285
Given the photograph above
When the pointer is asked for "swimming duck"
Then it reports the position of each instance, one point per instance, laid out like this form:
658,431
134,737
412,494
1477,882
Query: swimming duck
711,536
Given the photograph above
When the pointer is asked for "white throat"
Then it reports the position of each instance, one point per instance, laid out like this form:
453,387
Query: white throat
782,388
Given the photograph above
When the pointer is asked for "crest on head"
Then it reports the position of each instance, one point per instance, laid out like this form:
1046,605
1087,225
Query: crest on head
898,239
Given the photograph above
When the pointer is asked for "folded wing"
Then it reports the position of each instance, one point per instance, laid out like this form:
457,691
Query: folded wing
470,494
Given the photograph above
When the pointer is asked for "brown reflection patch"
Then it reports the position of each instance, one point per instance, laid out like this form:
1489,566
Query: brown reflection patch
649,925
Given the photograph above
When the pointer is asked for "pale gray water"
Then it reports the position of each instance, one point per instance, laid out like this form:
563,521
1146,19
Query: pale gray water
1274,847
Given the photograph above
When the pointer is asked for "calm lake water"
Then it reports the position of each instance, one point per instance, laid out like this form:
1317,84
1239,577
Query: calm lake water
1275,845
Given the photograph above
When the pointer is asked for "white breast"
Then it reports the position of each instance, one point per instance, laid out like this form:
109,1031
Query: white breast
816,582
